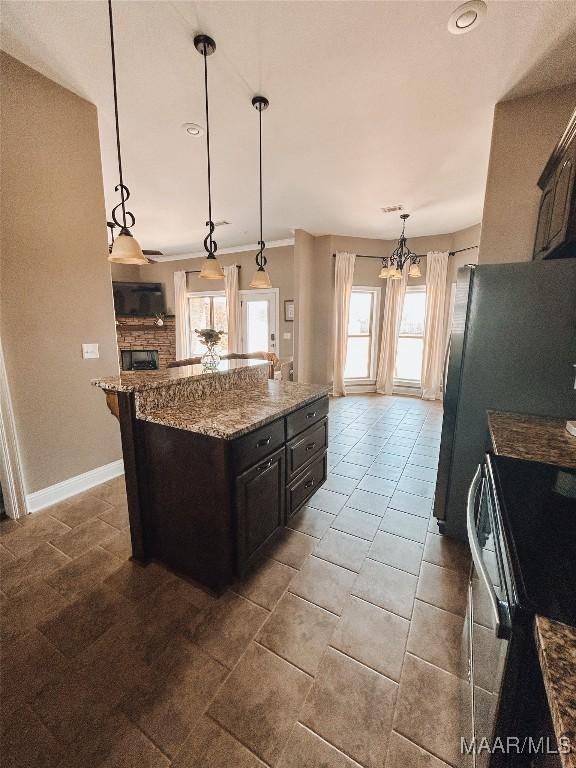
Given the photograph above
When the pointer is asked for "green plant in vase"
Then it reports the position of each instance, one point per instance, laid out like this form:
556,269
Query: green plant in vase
210,338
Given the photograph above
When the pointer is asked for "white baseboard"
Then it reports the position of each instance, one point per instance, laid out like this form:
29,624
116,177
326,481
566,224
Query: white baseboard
60,491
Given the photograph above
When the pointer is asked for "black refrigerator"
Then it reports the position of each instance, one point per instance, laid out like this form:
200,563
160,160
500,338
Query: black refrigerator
512,348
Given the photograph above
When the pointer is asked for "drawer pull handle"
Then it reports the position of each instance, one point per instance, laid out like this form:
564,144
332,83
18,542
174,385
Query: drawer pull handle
263,442
262,467
310,446
309,484
311,415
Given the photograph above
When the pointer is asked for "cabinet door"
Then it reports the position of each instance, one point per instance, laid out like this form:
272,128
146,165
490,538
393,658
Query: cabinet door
260,505
543,226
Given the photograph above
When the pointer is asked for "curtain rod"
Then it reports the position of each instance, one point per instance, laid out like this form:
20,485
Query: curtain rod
419,255
197,271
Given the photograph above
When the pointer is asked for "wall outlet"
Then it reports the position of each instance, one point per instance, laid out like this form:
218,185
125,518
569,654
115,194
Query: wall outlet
90,351
287,335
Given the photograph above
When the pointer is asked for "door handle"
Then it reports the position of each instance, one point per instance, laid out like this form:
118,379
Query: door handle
263,442
500,629
267,465
311,415
310,446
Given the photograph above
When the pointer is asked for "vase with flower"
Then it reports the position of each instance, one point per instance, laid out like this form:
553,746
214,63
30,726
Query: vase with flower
210,338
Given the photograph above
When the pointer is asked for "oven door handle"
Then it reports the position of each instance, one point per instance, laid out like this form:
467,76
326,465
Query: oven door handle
501,629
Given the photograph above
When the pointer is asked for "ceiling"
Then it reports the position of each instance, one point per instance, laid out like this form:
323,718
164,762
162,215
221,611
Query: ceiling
371,104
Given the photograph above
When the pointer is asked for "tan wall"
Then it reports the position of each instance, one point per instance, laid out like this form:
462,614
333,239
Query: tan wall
55,290
280,267
524,133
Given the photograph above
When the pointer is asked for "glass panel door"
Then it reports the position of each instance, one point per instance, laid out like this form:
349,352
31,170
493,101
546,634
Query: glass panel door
258,321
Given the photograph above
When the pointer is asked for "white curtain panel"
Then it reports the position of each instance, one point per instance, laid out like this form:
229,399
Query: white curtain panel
393,302
434,328
233,308
182,315
343,280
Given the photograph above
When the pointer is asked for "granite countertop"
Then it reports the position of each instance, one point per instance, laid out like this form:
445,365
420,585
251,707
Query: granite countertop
142,381
533,438
235,412
556,645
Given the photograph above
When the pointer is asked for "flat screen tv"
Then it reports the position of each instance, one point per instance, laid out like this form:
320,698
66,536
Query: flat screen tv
139,299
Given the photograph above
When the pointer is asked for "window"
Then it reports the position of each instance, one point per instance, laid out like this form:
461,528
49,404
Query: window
411,337
207,311
362,334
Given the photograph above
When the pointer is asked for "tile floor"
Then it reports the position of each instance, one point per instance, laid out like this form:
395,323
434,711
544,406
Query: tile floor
342,649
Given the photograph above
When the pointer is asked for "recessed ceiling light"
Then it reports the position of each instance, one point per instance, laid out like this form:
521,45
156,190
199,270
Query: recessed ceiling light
392,208
193,129
466,17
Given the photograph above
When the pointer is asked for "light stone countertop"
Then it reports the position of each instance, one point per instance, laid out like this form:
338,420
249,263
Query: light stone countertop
232,413
142,381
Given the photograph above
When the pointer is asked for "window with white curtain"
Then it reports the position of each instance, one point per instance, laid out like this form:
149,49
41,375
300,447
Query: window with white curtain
408,368
362,335
207,311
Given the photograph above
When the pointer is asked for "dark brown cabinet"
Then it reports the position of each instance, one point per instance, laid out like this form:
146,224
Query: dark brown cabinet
207,505
556,227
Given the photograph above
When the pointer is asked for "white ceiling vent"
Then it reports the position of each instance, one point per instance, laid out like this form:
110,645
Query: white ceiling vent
221,223
392,208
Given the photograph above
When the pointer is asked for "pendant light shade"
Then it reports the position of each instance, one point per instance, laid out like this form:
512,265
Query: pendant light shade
414,270
261,278
125,248
384,272
211,269
395,273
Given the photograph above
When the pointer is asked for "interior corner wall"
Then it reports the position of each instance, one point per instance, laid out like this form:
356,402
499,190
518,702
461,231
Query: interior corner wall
525,131
55,290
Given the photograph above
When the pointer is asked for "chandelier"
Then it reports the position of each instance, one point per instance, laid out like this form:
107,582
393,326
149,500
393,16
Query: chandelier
393,265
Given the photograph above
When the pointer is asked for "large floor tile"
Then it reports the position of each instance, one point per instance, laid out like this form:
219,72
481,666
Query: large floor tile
417,486
430,462
79,509
342,549
209,746
352,707
136,581
420,473
386,471
299,632
166,709
447,552
19,572
291,547
227,627
260,702
405,525
432,709
438,636
328,501
409,502
307,750
347,469
27,743
373,503
443,588
266,583
386,587
32,532
323,584
379,485
390,459
83,537
25,610
311,521
357,523
340,484
78,577
405,754
373,636
397,551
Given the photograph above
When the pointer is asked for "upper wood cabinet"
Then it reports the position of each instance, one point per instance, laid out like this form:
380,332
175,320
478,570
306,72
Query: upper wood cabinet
556,228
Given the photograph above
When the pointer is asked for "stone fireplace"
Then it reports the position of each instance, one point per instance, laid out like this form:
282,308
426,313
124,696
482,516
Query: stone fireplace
141,334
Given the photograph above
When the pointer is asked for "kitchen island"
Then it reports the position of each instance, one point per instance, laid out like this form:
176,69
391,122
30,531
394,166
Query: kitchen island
215,462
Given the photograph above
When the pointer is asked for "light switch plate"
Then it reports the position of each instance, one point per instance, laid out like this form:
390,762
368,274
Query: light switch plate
90,351
286,335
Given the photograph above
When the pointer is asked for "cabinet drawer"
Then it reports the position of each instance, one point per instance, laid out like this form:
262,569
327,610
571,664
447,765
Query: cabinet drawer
306,447
250,448
299,490
302,418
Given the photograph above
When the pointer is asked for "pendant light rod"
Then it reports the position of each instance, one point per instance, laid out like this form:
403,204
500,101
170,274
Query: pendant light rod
206,46
260,103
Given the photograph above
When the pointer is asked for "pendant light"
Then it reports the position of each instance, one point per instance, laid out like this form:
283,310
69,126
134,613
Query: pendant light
261,278
393,266
211,268
125,248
